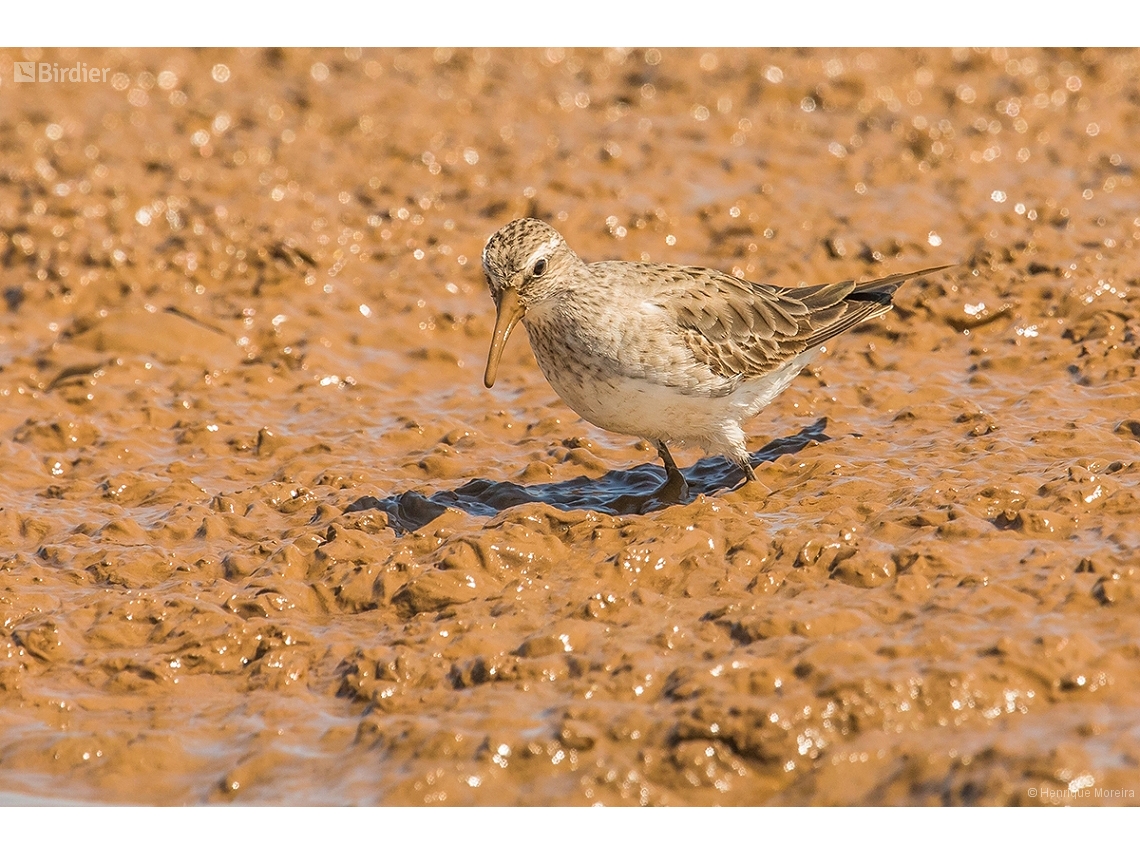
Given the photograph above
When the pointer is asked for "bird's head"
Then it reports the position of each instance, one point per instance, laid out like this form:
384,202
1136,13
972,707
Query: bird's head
522,262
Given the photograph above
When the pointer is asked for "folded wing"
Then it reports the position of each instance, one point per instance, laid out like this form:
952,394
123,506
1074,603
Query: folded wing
742,329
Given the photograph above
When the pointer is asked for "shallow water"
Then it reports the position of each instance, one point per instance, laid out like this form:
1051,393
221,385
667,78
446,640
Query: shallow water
265,537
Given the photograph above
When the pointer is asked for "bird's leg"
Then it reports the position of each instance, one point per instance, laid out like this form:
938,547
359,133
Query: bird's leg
744,463
675,489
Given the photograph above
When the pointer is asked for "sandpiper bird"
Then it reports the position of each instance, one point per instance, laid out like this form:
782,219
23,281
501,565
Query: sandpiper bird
660,351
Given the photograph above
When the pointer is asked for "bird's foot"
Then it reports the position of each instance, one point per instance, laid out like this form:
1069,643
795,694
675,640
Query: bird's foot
675,490
750,479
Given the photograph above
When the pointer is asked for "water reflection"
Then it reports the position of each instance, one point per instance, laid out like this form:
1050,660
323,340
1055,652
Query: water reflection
629,491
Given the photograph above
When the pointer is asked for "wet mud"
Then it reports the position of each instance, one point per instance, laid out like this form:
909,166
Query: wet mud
266,538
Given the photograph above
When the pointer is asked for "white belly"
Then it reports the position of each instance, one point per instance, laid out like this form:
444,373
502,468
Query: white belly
653,411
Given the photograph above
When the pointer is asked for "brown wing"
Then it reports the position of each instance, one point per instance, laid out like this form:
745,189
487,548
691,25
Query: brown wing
743,329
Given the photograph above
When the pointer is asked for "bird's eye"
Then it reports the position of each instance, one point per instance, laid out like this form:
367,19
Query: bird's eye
539,267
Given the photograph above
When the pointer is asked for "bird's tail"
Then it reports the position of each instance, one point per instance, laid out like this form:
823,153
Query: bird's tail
845,304
882,290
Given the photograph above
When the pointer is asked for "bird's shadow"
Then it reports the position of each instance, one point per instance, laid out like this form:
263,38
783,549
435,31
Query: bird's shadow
627,491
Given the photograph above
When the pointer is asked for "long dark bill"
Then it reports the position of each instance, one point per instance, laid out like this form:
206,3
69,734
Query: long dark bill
510,312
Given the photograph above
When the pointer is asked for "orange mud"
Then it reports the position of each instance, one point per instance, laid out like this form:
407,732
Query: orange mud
265,537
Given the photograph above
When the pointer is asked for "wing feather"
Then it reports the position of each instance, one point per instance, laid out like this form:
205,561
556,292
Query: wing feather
743,329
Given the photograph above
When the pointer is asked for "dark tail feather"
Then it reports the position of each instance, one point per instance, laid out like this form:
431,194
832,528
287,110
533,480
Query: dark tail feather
881,290
818,297
865,301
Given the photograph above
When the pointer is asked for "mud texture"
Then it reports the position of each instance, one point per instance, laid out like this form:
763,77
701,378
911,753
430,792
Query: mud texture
265,537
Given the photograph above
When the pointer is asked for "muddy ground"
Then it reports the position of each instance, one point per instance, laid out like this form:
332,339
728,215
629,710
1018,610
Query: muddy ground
265,537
